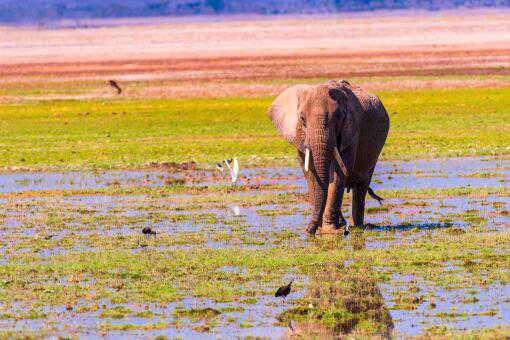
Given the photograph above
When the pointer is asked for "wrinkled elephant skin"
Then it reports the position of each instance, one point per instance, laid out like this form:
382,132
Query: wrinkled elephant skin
340,130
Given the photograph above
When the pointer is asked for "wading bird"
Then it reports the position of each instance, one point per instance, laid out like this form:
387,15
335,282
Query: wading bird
148,231
283,291
234,169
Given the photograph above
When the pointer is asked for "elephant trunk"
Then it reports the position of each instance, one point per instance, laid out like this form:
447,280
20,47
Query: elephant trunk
321,154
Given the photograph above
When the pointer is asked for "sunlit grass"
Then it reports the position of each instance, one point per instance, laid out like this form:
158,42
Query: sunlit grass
98,265
132,133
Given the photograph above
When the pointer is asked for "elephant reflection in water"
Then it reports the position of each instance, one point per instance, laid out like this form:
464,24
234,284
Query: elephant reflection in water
339,131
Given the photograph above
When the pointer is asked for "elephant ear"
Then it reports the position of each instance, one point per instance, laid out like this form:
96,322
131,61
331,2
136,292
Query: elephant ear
350,126
284,112
348,132
348,106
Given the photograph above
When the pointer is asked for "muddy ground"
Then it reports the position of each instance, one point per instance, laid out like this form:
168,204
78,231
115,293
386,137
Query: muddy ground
255,56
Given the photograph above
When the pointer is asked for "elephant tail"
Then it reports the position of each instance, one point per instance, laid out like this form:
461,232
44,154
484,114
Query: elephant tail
375,196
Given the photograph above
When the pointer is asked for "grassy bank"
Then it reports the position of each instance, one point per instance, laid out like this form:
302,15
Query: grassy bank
131,133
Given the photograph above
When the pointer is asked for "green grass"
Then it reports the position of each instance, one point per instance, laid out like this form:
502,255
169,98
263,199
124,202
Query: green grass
112,279
341,300
87,134
128,275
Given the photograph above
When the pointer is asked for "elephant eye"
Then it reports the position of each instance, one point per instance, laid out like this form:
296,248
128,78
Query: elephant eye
302,119
324,122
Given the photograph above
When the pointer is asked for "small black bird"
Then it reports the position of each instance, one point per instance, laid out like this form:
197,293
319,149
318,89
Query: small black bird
284,290
114,84
148,231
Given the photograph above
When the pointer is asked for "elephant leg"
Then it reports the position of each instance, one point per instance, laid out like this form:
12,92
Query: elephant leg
308,176
332,213
341,219
312,186
358,203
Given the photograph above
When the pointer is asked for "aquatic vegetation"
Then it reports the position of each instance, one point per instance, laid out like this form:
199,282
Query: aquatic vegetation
196,314
340,300
81,253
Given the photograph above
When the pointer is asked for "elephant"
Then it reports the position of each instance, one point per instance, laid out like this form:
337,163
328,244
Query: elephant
339,131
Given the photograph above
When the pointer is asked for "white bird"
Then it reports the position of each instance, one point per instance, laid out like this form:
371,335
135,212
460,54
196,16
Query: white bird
234,169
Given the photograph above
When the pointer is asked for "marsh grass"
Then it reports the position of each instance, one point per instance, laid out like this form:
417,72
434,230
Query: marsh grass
197,314
340,301
94,262
428,123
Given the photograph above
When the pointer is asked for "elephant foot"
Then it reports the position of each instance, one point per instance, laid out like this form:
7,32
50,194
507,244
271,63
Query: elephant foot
329,228
311,230
342,222
353,224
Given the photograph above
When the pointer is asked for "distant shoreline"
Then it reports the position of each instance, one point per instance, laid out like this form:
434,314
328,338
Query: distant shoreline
239,17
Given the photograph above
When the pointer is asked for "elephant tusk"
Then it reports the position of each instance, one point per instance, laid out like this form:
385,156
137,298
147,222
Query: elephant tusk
307,159
340,162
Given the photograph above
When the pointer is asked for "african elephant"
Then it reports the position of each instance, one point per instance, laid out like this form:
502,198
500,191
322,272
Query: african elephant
339,131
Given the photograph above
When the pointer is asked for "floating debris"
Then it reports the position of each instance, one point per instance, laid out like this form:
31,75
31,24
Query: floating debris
174,181
189,165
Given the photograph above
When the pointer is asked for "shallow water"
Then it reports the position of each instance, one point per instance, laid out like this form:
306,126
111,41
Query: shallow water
440,173
127,215
32,181
421,174
260,316
492,299
76,224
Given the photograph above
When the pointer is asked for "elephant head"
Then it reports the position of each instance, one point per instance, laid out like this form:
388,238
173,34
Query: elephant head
325,132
